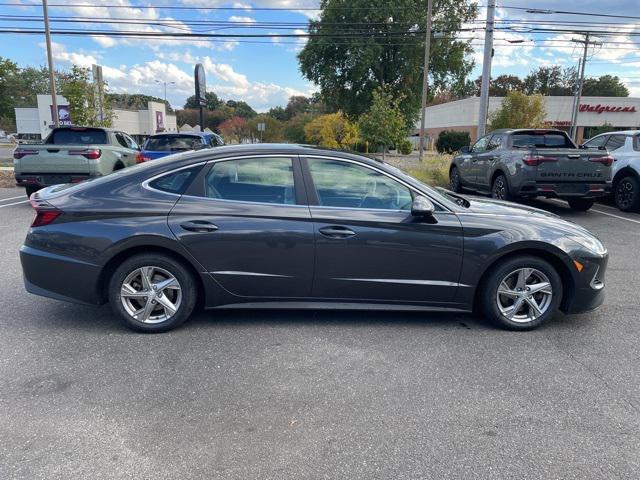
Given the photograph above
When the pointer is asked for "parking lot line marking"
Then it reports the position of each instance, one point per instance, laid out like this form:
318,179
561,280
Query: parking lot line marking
25,201
615,216
10,198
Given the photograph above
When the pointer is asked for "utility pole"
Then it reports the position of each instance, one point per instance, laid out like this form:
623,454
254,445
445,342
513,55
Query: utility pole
486,69
425,79
578,95
52,78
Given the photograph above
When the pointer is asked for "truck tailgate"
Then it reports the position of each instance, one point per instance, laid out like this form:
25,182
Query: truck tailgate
54,159
570,165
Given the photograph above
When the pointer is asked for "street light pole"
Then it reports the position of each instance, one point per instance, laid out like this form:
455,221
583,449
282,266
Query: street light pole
52,78
165,88
486,69
425,78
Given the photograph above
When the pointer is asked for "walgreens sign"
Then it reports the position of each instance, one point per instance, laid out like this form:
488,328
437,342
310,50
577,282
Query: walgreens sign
600,108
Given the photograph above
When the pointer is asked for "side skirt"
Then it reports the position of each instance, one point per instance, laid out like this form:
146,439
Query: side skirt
337,306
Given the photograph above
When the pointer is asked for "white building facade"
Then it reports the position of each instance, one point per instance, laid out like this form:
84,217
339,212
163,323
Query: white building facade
622,113
36,122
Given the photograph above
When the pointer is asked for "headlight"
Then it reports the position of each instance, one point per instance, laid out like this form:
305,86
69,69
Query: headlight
591,243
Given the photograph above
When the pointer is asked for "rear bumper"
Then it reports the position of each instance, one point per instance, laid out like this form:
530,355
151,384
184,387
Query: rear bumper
56,276
565,189
47,179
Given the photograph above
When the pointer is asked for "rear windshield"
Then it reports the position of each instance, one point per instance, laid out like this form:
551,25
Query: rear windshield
542,140
84,136
172,143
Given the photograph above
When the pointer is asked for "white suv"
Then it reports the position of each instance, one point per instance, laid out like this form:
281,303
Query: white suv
624,147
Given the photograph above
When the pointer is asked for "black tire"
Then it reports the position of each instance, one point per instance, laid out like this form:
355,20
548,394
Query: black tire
500,188
488,293
31,190
580,204
118,166
626,194
163,264
455,185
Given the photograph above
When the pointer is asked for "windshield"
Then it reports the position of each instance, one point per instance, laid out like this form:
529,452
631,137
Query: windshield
172,143
542,140
82,136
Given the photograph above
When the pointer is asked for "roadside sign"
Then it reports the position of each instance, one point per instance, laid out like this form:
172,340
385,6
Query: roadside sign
262,127
201,88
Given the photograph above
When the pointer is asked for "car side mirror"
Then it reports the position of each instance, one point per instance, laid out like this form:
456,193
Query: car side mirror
422,207
465,149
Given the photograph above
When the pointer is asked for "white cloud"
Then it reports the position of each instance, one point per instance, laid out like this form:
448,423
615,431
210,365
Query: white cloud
60,54
237,19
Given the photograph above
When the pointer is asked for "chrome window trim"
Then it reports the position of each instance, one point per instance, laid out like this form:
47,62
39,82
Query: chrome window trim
371,167
146,183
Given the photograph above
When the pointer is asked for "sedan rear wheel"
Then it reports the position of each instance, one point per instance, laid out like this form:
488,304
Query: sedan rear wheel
152,293
627,194
521,293
500,188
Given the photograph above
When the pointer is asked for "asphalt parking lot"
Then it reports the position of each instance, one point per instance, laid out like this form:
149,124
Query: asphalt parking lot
354,395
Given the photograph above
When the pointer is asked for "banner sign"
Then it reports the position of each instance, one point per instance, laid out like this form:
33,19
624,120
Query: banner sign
201,88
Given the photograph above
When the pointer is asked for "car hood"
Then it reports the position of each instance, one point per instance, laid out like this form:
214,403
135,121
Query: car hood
525,215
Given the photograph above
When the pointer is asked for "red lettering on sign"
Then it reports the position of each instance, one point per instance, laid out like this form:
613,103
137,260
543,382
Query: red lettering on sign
599,108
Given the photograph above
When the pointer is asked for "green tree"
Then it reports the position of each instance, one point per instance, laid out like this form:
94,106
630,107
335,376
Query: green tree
297,104
8,71
604,86
212,99
519,111
593,131
241,109
294,128
383,124
386,49
332,130
135,101
80,92
273,129
279,113
551,81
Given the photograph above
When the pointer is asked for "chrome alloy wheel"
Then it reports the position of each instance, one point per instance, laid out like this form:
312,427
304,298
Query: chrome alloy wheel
524,295
499,188
150,294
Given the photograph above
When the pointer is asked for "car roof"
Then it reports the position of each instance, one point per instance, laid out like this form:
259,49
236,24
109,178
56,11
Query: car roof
181,134
516,130
618,132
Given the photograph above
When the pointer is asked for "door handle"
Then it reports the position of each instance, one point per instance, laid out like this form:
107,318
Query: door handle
337,232
200,226
474,160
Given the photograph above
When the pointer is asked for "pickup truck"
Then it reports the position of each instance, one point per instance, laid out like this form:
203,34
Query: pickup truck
512,163
624,147
72,154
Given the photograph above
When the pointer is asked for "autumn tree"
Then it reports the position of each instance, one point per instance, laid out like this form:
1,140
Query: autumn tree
83,98
272,132
333,130
519,111
235,129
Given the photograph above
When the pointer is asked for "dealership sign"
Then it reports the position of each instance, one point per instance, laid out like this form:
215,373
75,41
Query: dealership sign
600,108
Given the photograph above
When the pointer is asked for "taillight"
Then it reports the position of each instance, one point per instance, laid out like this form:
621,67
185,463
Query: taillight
535,160
45,213
23,152
90,153
606,161
140,158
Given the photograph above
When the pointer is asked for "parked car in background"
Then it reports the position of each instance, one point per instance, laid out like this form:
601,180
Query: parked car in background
72,154
624,147
290,226
163,144
512,163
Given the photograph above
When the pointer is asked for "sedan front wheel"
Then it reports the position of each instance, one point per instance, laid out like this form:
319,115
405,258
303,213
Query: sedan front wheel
521,293
152,293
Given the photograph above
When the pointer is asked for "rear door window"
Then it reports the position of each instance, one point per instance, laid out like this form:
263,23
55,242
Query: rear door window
263,180
79,136
615,142
597,142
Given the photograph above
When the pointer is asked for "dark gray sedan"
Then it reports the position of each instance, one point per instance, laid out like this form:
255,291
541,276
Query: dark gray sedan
287,226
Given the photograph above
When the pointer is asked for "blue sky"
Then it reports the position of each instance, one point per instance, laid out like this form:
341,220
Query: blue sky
266,73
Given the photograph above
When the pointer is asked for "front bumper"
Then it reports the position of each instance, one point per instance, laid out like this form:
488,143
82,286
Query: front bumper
565,189
589,285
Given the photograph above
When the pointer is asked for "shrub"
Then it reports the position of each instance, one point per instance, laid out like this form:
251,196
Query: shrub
405,147
450,141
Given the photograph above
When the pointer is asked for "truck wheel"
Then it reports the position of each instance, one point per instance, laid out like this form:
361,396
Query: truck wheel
627,194
31,190
500,188
580,204
454,180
